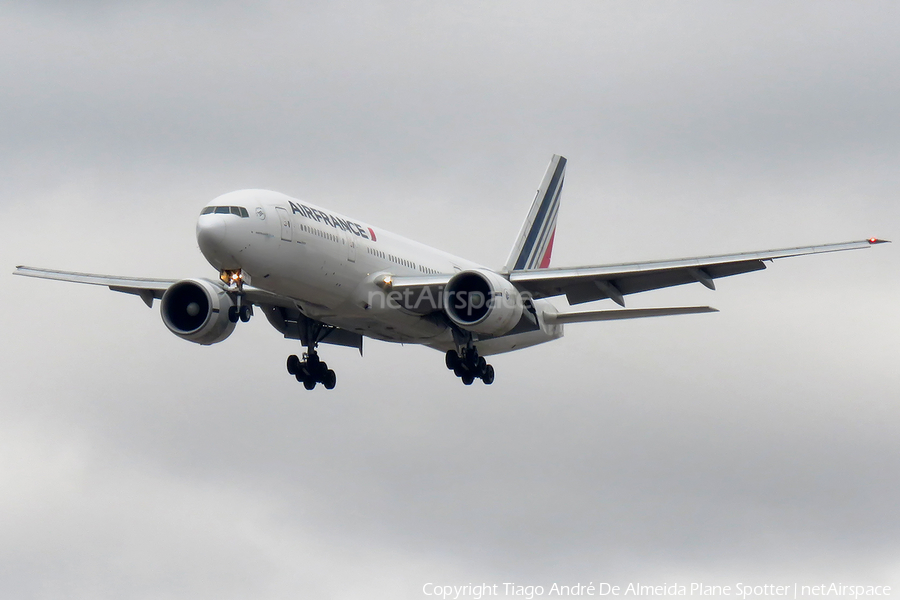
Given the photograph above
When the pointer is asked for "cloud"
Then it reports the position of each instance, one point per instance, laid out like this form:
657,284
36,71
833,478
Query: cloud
755,443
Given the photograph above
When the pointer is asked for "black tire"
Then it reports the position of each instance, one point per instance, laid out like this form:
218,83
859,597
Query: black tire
293,364
488,377
233,314
459,370
451,359
481,366
468,378
329,379
245,313
321,371
309,383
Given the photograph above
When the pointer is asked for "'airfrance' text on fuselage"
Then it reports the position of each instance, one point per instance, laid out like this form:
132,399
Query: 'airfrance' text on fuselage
323,217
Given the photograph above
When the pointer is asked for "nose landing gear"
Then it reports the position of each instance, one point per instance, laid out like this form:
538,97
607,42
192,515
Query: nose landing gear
235,281
469,366
241,312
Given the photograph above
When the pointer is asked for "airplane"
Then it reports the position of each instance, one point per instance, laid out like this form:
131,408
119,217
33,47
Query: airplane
323,278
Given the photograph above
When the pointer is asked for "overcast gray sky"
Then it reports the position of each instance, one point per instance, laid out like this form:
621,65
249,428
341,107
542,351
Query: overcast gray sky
757,445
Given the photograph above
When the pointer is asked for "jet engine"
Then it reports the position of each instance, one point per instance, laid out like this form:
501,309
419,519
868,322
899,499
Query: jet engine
197,310
483,302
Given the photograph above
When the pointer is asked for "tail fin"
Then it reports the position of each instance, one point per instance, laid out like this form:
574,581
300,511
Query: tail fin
535,242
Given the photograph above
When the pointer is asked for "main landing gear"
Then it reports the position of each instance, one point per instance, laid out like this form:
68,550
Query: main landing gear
470,366
311,370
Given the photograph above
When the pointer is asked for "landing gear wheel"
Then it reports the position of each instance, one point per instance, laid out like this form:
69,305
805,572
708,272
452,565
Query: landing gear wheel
468,366
318,371
480,365
233,315
329,379
245,313
309,383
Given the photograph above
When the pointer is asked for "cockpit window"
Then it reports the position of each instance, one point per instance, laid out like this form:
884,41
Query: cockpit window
238,211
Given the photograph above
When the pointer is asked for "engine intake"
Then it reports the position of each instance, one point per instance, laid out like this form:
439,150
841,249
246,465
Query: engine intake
197,310
483,302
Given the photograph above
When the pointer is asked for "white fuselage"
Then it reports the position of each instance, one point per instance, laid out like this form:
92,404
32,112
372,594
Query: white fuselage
328,264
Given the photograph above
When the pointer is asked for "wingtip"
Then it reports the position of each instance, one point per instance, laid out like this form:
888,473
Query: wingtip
873,240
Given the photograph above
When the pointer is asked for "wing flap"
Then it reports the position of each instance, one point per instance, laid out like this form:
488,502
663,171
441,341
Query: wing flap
589,290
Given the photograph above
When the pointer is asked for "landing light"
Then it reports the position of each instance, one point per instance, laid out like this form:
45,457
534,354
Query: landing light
231,277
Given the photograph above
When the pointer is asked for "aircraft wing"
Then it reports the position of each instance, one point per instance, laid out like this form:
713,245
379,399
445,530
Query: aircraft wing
585,284
147,288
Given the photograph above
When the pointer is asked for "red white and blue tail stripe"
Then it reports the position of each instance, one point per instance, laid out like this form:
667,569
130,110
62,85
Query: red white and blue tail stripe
535,242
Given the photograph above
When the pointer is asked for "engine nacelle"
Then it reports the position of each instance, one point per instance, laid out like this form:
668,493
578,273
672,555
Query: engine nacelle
482,301
197,310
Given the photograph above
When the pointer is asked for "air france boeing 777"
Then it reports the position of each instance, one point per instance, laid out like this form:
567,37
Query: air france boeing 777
323,278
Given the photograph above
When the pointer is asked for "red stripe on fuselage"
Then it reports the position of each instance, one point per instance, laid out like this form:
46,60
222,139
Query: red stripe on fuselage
372,233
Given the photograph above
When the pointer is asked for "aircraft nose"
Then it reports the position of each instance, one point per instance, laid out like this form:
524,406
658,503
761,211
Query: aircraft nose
211,231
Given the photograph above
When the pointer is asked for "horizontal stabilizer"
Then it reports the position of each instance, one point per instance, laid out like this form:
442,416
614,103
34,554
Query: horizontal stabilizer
631,313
